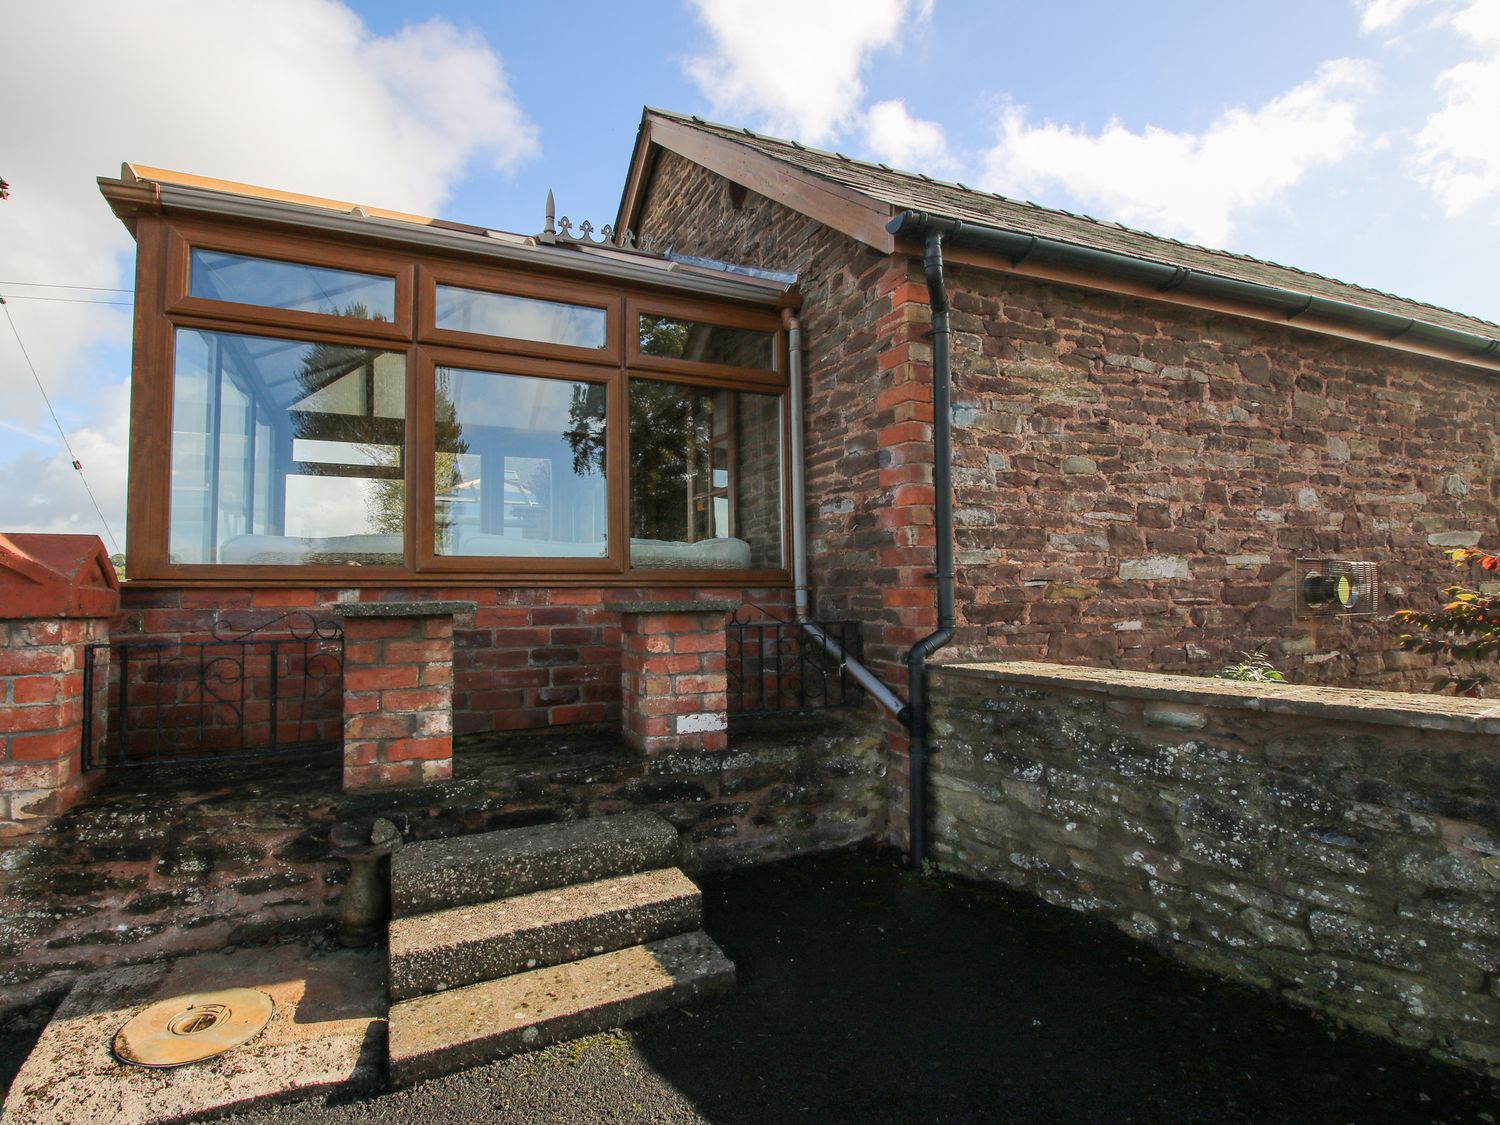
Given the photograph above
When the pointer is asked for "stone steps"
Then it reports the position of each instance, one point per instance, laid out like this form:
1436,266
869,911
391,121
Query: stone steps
465,944
441,1033
510,940
439,874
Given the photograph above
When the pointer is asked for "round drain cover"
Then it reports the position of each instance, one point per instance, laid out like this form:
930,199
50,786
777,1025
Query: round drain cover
188,1029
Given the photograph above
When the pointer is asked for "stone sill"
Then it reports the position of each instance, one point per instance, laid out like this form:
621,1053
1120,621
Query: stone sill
1356,705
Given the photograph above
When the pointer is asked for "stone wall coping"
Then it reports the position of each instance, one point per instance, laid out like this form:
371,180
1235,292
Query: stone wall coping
401,609
1358,705
702,605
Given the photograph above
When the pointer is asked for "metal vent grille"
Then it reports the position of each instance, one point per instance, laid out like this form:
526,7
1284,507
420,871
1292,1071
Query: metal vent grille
1337,588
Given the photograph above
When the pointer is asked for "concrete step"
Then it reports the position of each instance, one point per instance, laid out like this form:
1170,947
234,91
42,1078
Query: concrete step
439,874
460,946
441,1033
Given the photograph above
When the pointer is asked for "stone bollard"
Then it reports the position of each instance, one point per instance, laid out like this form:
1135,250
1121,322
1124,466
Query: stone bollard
365,905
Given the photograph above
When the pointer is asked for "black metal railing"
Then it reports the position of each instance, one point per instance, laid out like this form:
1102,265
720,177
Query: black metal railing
775,667
271,688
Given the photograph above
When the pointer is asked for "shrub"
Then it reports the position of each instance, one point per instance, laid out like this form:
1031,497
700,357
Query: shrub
1465,630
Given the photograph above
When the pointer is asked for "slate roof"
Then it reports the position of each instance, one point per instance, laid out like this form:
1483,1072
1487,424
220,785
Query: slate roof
913,191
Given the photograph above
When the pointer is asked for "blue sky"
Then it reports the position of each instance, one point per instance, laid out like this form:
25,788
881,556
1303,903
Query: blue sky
1356,138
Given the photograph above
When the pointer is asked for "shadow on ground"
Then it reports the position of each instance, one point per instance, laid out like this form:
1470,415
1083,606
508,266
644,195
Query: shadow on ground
869,994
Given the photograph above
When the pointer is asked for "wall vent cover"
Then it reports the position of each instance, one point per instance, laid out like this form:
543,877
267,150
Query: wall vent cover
1337,588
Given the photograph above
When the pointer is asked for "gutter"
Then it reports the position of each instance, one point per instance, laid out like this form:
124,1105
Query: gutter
1168,279
352,224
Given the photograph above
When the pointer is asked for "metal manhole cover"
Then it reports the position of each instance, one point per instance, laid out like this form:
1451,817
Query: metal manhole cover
189,1029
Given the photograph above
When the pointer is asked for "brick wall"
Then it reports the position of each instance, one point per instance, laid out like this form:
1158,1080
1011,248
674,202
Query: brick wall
526,658
673,679
1335,848
41,714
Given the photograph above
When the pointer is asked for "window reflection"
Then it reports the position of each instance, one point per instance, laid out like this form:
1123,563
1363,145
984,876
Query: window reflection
519,466
521,318
705,477
221,276
285,452
705,343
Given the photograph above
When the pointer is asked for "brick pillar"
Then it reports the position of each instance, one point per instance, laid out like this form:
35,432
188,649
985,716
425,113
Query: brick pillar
57,593
398,692
675,694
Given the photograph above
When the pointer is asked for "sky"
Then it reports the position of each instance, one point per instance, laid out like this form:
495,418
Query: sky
1355,138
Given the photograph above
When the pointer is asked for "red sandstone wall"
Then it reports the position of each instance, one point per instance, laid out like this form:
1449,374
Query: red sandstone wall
1100,438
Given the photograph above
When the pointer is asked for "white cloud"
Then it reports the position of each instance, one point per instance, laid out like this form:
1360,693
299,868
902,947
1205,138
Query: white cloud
1189,185
1458,149
294,94
893,135
795,65
1377,15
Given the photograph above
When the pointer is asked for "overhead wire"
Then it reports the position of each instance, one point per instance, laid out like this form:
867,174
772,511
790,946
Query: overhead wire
77,464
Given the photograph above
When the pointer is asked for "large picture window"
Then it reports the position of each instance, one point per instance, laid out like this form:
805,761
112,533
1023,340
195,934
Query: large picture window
338,411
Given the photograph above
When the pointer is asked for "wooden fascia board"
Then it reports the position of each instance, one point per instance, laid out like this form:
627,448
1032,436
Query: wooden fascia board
642,160
997,263
841,208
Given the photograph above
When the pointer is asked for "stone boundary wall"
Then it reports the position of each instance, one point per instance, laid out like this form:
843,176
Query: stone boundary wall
1338,848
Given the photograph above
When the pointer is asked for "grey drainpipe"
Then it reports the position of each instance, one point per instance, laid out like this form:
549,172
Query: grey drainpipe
942,485
861,675
1019,246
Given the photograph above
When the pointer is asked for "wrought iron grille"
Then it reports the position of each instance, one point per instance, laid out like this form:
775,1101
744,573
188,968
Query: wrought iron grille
273,688
775,667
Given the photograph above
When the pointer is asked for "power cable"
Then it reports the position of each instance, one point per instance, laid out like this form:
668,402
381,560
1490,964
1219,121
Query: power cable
77,464
73,300
54,285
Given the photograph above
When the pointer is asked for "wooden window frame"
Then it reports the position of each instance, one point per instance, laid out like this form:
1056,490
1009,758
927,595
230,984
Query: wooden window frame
427,558
186,236
513,285
163,306
704,312
160,468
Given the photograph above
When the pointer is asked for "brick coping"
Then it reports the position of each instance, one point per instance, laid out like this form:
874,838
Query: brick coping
401,609
1359,705
703,605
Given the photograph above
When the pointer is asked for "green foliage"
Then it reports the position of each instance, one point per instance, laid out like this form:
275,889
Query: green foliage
1253,667
1465,630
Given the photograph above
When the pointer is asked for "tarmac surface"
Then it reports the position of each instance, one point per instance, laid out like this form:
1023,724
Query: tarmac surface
871,994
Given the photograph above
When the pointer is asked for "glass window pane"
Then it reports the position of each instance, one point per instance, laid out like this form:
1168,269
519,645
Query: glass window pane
280,456
220,276
705,343
705,478
521,318
520,466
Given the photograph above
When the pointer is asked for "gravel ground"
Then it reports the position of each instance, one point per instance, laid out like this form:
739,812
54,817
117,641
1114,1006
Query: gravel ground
869,994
